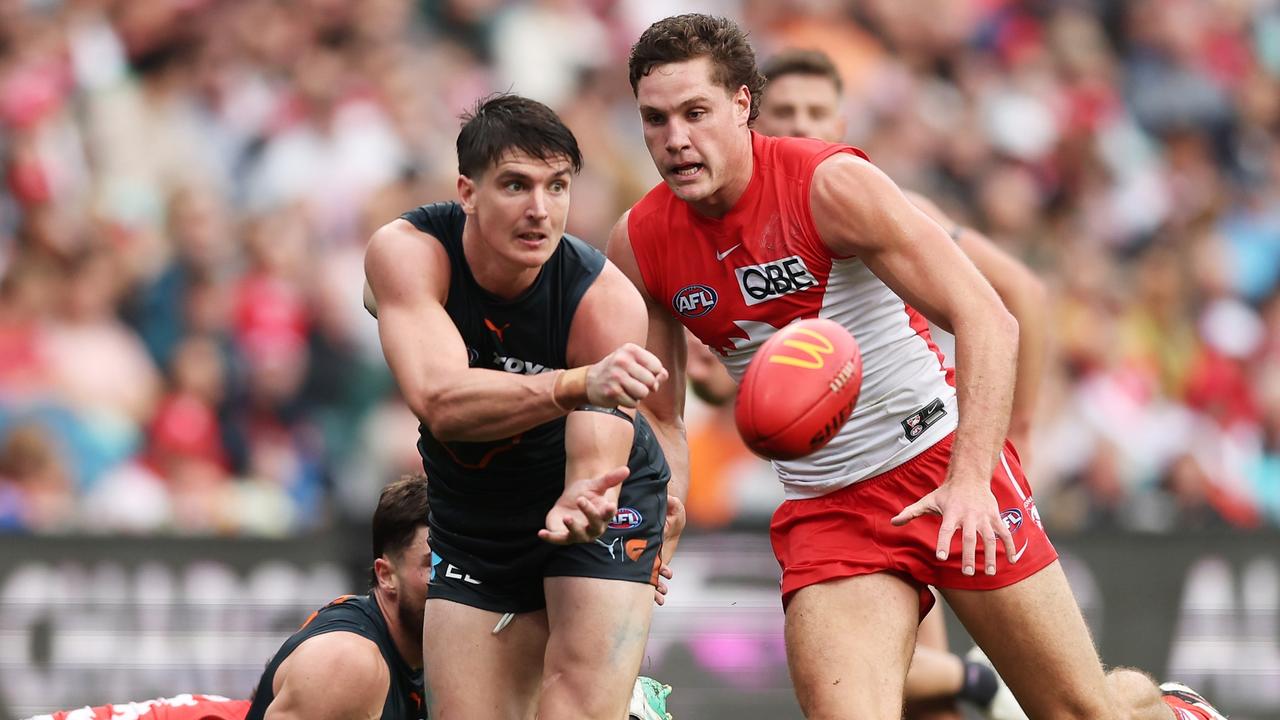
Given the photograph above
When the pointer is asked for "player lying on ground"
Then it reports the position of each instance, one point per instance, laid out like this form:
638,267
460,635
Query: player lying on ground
359,656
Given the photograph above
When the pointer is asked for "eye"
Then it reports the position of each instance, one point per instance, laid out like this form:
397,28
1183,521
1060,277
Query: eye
697,114
653,119
559,186
514,186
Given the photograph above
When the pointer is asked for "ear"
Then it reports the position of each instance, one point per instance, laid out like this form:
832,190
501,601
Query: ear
385,573
467,194
742,105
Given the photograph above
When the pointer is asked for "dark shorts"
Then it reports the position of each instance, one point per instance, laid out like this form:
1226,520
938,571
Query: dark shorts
506,575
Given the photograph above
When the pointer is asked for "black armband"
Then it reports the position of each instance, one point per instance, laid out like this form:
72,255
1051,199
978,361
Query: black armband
606,410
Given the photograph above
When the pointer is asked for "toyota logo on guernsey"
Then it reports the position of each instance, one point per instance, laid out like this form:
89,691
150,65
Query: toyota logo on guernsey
626,519
1012,519
694,300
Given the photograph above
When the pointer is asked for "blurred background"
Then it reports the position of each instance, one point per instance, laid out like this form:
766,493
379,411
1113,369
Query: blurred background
195,418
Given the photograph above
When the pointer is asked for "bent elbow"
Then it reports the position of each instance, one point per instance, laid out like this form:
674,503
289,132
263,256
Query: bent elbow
434,413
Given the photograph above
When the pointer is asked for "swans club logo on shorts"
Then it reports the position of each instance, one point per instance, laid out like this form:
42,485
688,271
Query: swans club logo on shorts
626,519
694,300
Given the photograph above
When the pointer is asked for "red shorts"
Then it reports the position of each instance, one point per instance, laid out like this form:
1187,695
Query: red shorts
848,533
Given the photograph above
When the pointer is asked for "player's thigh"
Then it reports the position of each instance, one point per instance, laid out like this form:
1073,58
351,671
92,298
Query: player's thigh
598,630
473,673
849,642
1037,639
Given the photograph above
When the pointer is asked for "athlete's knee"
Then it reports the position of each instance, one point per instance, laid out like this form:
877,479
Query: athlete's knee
831,702
1074,705
853,711
1136,693
580,693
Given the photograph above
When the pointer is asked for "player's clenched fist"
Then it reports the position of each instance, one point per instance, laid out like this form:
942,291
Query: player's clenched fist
624,377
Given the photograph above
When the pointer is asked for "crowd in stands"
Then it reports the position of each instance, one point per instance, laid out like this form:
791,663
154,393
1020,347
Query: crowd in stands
187,187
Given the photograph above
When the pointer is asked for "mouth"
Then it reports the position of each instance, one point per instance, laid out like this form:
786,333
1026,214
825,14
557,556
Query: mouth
532,237
687,171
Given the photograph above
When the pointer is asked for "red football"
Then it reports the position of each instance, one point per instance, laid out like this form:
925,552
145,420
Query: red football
799,389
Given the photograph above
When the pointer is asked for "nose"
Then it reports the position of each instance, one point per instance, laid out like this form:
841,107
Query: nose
677,137
537,208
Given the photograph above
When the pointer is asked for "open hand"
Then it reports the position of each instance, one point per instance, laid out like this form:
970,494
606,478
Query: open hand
971,509
584,509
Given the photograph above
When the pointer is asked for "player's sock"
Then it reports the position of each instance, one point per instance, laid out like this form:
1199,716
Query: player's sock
1187,704
980,684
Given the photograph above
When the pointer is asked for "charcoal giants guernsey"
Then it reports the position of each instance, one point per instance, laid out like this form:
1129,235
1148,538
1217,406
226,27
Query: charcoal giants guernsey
734,281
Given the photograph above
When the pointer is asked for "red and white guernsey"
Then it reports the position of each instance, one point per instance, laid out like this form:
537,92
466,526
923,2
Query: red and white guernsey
736,280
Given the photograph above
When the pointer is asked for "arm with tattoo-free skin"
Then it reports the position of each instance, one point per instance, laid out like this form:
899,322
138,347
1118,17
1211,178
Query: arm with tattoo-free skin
665,407
597,445
334,676
1027,300
860,212
408,279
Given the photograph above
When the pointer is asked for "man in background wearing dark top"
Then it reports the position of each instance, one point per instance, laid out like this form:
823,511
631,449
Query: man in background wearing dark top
520,349
360,656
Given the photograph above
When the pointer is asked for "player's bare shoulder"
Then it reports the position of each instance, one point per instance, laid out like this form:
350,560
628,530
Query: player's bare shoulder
619,251
853,202
402,262
339,671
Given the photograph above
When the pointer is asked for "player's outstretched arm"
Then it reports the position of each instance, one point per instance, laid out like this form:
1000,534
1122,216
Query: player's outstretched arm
1026,298
664,408
334,676
859,211
408,278
597,444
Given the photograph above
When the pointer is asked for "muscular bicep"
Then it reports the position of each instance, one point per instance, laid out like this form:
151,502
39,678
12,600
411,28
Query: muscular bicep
860,211
407,279
610,314
334,676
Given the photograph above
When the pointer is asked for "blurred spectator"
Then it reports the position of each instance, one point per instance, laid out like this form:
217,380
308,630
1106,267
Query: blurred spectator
186,189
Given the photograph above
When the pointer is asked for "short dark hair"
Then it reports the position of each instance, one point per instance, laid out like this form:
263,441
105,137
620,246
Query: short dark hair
686,37
501,123
402,509
814,63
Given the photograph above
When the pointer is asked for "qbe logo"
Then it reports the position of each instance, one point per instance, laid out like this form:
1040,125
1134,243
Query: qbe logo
767,281
694,300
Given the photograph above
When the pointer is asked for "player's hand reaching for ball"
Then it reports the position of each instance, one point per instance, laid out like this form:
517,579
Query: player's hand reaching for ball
624,377
972,509
584,509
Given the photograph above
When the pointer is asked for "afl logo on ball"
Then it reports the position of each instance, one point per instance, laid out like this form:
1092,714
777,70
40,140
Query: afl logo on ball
694,300
626,519
1012,519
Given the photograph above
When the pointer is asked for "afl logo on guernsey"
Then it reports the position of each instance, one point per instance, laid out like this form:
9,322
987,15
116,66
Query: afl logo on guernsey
1012,519
626,519
694,300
